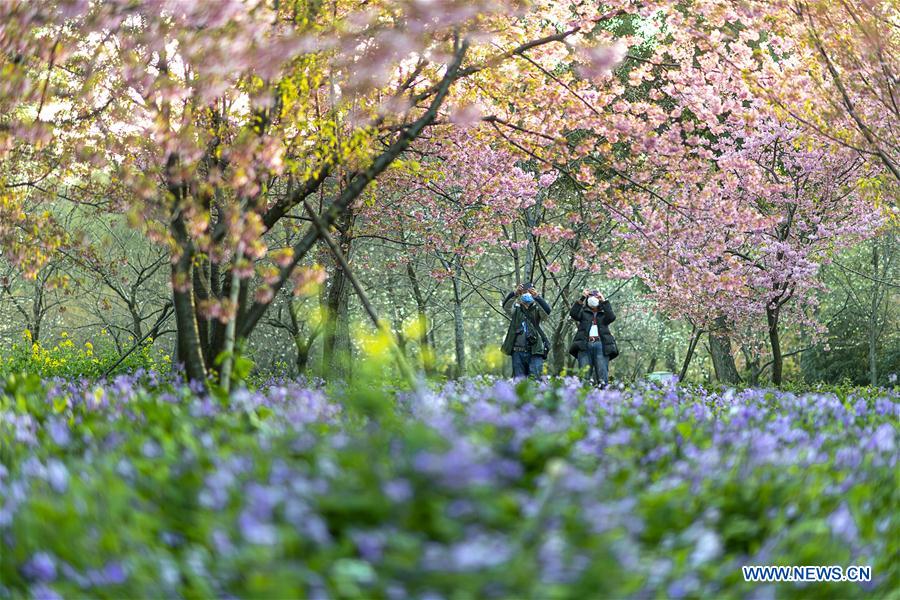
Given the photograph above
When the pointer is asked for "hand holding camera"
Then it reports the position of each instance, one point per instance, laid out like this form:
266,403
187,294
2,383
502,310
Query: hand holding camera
593,298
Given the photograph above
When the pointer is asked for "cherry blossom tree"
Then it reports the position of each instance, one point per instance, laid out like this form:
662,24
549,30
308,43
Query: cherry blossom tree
40,109
214,128
456,194
220,120
749,243
834,68
663,133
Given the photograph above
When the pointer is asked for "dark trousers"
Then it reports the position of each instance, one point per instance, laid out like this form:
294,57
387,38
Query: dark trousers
527,364
597,361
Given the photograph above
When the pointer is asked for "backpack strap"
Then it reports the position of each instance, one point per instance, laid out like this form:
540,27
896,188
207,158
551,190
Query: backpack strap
538,327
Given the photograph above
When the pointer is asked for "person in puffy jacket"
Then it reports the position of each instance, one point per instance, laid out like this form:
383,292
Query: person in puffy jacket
593,345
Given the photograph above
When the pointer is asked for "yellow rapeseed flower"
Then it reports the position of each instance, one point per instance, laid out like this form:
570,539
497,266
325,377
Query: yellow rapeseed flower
493,357
414,328
375,344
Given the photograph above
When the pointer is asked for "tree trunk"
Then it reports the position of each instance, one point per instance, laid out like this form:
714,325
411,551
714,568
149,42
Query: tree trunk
336,341
558,349
873,321
751,359
200,279
219,290
695,337
516,262
397,326
231,326
671,359
243,299
137,329
189,353
529,260
432,344
37,311
531,248
426,348
721,354
217,327
754,372
772,315
35,332
302,343
654,357
303,347
458,330
336,351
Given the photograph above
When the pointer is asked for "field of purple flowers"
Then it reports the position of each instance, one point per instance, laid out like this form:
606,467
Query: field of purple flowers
482,488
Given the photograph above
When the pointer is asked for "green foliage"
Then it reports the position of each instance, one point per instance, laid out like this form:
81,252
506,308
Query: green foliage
849,363
407,494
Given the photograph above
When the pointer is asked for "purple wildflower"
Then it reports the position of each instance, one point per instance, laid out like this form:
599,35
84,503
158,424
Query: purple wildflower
40,567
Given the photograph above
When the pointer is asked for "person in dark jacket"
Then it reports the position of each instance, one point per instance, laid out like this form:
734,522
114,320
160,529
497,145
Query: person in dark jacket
593,345
525,342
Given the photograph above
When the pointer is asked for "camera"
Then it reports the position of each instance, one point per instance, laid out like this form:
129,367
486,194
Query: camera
531,338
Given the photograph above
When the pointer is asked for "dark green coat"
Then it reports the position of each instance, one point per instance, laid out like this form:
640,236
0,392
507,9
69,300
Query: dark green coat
537,311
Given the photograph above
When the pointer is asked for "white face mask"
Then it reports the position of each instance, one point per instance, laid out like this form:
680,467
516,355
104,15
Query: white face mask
593,302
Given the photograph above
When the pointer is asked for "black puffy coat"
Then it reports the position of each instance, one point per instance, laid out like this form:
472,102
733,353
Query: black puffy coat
584,318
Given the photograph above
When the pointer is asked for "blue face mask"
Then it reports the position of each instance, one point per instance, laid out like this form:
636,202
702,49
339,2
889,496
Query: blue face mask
527,298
